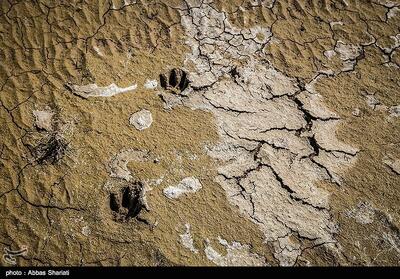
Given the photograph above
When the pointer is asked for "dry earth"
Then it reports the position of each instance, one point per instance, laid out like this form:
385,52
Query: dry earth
168,132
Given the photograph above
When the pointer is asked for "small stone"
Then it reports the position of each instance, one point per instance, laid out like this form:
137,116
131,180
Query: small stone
86,231
356,112
395,111
141,120
372,102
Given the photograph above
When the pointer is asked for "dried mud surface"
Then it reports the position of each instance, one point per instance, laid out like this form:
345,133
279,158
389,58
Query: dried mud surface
168,132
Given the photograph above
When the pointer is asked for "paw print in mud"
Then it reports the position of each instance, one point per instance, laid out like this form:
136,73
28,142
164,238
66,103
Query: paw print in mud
127,203
176,81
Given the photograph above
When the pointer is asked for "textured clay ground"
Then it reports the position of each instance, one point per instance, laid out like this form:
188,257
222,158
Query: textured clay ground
246,132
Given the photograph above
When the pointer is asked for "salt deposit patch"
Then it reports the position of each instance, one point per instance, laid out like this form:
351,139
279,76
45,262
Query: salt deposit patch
43,119
141,120
118,166
92,90
348,54
363,213
151,84
329,54
237,254
187,239
187,185
277,140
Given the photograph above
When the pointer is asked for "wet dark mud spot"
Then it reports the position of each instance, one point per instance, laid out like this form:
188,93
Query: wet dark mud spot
176,81
127,203
51,150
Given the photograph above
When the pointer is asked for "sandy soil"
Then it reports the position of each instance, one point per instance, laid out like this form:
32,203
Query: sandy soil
168,132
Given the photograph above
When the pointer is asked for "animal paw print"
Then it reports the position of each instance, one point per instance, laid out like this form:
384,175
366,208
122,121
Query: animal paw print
127,203
176,81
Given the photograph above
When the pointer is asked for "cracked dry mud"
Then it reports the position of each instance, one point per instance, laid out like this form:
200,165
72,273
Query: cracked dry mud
245,132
